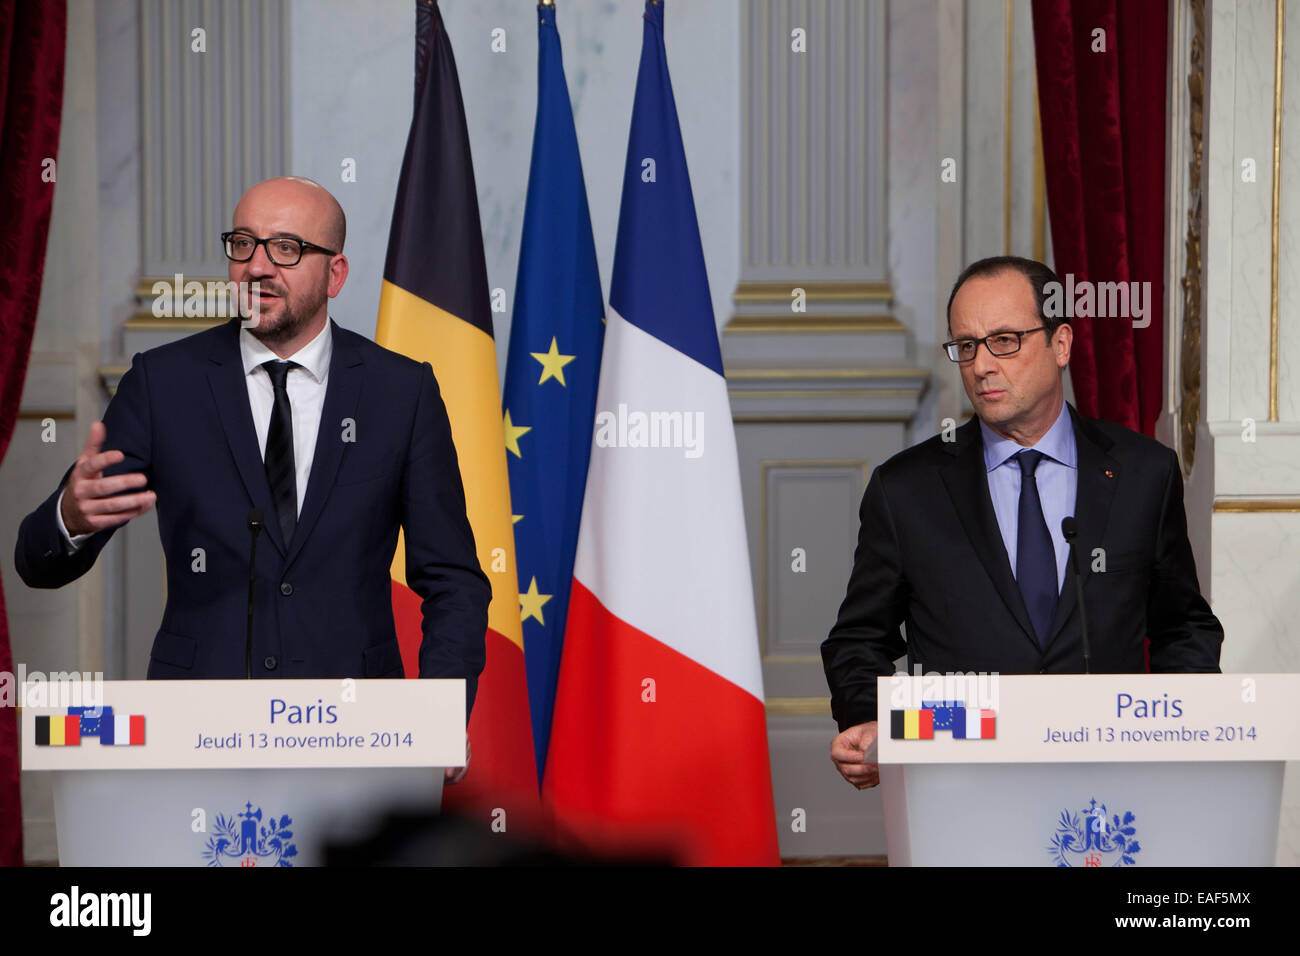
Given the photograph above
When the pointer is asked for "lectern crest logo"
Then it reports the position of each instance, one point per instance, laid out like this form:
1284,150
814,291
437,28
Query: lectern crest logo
1090,838
244,839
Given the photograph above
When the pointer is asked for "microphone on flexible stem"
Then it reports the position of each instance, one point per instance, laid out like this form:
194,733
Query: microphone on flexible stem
255,524
1071,531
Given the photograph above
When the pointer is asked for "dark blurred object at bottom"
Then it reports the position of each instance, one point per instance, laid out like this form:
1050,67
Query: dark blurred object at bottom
432,840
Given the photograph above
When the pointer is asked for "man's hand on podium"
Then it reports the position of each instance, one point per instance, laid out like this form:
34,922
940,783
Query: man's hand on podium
92,502
854,754
457,774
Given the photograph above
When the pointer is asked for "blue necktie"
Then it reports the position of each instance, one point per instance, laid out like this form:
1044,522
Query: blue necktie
280,471
1035,553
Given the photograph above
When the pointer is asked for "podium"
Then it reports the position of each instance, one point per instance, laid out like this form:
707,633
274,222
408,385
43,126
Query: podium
1085,770
236,773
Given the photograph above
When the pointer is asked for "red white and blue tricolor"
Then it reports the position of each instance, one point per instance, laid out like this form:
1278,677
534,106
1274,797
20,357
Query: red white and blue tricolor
659,729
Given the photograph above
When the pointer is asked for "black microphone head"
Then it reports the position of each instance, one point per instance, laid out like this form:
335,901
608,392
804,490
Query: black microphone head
255,522
1069,528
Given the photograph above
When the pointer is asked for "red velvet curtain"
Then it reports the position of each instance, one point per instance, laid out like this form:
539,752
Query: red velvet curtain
1103,119
32,40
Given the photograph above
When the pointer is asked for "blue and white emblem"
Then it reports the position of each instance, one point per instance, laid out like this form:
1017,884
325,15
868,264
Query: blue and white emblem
244,840
1088,838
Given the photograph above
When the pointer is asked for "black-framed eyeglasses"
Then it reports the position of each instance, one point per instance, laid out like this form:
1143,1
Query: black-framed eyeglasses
282,250
999,344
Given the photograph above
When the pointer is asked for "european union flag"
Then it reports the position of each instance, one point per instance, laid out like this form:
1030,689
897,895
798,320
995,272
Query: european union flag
552,370
948,715
93,719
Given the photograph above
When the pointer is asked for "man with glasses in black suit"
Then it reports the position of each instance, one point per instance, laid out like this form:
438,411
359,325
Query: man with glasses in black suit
961,539
337,442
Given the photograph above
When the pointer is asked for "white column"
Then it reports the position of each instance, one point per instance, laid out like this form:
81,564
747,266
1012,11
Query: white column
1233,353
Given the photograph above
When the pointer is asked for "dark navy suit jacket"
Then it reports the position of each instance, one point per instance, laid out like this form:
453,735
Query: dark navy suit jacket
323,600
930,555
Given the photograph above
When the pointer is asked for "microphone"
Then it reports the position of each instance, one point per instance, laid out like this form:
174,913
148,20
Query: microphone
255,524
1071,531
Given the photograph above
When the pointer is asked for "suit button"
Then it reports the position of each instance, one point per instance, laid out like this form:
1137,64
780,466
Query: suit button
269,663
1041,671
286,588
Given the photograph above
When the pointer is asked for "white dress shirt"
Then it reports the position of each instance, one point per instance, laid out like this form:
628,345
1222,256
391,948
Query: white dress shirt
306,388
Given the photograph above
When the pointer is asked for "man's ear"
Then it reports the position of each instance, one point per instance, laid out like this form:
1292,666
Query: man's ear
338,274
1062,340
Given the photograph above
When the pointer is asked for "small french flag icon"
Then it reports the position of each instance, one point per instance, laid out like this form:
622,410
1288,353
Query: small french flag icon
123,731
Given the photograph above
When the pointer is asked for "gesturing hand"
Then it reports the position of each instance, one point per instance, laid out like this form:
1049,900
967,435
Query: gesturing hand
92,502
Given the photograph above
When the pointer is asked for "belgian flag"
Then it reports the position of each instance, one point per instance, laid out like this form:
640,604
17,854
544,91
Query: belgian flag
434,307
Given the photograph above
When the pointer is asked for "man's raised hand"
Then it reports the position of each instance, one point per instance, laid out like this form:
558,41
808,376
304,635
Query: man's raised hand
92,502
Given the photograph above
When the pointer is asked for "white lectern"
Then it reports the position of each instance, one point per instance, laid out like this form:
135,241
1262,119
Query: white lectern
1092,771
236,773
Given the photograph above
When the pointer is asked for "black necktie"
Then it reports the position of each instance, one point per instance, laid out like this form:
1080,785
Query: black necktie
1035,553
280,471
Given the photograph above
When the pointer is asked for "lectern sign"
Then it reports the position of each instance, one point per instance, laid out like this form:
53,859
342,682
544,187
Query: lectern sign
988,718
257,723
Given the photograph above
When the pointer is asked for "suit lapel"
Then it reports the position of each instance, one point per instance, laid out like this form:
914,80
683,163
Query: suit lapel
341,395
1098,478
967,481
230,394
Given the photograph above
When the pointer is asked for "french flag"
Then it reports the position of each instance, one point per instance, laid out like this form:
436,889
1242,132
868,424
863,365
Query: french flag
659,731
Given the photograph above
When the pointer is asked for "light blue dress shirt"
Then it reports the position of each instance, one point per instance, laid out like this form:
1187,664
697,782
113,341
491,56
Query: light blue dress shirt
1058,484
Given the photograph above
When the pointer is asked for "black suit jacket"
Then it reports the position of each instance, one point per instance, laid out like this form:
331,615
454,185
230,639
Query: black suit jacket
930,555
384,459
